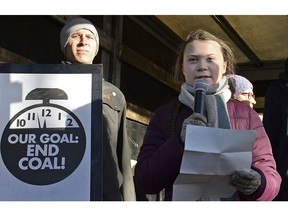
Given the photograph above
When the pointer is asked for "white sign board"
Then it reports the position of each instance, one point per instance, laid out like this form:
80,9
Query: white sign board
45,132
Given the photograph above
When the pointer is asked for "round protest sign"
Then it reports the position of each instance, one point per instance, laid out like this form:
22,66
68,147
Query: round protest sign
43,144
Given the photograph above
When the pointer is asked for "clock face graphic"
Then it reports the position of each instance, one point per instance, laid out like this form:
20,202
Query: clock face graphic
43,143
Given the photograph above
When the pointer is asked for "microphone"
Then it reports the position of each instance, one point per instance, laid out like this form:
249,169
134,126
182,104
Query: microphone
200,88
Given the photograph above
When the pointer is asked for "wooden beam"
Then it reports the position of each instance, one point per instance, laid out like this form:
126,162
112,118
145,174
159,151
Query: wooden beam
138,114
138,61
159,30
268,71
236,38
117,25
7,56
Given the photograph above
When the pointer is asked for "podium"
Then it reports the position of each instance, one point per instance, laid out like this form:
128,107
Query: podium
51,132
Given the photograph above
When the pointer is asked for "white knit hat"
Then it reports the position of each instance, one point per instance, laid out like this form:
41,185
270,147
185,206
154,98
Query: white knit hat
241,85
74,25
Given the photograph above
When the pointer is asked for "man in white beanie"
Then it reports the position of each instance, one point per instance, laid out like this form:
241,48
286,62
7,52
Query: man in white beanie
79,42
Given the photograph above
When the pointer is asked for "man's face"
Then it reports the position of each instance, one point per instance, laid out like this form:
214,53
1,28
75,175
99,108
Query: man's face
81,47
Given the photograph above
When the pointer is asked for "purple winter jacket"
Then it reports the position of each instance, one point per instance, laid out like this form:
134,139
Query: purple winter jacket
159,159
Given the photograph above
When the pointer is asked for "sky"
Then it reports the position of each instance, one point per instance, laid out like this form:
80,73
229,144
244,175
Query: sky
147,7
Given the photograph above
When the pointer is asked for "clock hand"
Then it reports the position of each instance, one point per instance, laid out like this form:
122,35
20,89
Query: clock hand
41,124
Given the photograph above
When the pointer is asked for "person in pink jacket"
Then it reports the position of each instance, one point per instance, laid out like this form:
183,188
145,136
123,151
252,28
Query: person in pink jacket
204,56
242,90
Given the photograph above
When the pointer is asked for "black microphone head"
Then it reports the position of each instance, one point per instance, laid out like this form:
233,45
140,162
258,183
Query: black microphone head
201,85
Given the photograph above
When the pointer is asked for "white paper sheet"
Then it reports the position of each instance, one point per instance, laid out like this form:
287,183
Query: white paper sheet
211,155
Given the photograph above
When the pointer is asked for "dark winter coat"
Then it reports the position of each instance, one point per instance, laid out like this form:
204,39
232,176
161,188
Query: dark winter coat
117,172
118,184
159,160
275,120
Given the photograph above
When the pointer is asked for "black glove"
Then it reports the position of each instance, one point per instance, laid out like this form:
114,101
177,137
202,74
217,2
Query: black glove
194,119
246,181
